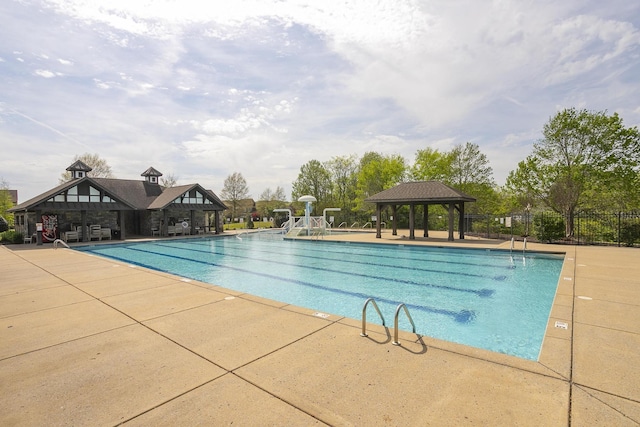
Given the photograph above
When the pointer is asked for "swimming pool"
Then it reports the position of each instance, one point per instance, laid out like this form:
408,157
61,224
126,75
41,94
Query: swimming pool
486,299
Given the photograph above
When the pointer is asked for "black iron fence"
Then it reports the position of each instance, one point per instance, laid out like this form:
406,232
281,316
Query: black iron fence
589,228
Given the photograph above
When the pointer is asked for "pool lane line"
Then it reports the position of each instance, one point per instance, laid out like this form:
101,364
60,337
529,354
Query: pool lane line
462,316
479,292
417,269
473,264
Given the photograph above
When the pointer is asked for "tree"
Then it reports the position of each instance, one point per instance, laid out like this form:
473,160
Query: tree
377,173
270,200
580,152
6,203
234,190
470,173
343,171
168,181
314,179
431,165
99,167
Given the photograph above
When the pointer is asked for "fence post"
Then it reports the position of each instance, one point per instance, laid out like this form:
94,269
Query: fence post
619,227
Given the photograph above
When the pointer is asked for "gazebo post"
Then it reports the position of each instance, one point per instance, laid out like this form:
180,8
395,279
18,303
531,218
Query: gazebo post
461,221
426,220
394,210
412,221
378,222
451,209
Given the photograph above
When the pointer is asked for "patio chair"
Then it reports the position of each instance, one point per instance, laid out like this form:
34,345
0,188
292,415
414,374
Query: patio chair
95,232
105,233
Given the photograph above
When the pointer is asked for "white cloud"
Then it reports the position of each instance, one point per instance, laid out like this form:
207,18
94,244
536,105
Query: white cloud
45,73
262,87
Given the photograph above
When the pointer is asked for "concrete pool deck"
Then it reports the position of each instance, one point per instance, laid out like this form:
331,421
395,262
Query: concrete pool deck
90,341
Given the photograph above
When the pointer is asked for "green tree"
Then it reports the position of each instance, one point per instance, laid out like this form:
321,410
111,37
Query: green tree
470,173
343,171
99,167
315,180
377,173
581,153
431,165
6,203
235,189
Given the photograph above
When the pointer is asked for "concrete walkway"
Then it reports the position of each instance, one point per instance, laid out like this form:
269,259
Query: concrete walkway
90,341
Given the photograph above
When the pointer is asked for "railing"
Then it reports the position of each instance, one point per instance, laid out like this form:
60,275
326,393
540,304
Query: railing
341,224
583,228
364,315
60,242
395,323
354,225
367,224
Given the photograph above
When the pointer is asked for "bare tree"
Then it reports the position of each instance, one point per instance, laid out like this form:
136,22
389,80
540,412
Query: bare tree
235,189
169,180
99,167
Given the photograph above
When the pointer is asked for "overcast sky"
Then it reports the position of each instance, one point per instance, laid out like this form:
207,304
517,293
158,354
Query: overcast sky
201,89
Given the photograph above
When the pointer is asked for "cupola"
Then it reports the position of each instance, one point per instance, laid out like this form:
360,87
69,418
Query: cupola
151,175
79,169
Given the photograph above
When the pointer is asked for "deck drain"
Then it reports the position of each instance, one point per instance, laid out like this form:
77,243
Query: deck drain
229,298
323,315
583,297
184,279
562,325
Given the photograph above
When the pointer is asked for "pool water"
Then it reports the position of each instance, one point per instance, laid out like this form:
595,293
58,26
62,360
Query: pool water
488,299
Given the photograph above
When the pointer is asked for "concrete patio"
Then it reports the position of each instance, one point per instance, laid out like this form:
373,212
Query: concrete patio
91,341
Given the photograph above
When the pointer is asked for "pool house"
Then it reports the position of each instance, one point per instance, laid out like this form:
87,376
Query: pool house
87,208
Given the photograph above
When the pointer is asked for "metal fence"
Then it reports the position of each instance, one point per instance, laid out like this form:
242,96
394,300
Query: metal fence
589,228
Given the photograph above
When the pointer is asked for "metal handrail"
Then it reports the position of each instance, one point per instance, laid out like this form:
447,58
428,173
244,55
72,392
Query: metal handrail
368,223
61,242
395,323
364,315
524,245
342,223
512,243
354,224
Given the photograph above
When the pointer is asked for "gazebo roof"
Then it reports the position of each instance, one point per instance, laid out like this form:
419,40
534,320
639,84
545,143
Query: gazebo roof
420,192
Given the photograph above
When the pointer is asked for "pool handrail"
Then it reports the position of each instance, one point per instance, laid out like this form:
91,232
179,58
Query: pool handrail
395,323
364,315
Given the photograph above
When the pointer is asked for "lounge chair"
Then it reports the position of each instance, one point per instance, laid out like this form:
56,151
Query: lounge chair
95,232
171,230
105,233
71,235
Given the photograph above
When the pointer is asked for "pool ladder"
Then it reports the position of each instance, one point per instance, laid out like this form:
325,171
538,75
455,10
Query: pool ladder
524,245
395,319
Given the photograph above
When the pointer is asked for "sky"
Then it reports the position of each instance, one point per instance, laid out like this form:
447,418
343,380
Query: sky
202,89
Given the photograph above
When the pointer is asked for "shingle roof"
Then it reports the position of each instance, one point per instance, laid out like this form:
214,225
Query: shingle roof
140,194
132,193
420,191
79,165
151,172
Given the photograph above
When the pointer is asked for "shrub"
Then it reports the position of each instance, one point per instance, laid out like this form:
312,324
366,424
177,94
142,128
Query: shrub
548,227
11,236
630,234
4,225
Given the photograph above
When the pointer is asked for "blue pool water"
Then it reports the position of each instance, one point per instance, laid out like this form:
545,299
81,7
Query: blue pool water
486,299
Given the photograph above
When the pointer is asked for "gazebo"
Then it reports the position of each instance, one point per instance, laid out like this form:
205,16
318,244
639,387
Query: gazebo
422,193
